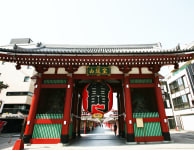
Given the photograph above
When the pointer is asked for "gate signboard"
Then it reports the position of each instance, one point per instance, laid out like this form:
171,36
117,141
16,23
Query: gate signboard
98,71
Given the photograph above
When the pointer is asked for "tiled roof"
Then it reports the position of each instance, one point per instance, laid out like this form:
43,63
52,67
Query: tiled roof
90,50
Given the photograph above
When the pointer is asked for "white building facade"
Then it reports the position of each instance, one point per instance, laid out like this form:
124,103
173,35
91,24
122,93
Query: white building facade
181,92
16,99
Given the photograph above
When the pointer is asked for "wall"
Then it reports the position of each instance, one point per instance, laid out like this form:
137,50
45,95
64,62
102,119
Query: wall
188,122
15,80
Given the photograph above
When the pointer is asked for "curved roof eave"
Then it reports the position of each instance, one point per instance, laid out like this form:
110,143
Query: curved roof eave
97,51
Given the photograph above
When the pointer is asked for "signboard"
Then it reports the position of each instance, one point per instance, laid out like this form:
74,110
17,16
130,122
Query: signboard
139,122
97,115
98,71
97,97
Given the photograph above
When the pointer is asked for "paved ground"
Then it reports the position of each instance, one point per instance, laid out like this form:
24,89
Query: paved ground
104,139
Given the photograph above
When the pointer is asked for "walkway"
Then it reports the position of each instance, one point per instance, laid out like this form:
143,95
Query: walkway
104,139
100,136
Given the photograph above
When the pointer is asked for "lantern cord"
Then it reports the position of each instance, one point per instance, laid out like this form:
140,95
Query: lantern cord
123,114
76,116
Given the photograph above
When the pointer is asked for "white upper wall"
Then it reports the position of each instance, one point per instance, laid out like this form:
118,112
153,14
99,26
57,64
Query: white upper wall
15,80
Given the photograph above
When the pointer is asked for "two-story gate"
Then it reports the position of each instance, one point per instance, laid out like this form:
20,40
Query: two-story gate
64,71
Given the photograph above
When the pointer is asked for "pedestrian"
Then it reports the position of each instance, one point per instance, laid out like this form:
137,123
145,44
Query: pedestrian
115,129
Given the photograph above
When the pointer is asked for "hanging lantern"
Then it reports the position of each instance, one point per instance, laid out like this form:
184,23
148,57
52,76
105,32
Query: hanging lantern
97,97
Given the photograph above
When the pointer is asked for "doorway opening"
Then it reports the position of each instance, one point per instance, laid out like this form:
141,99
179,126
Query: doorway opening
143,100
51,101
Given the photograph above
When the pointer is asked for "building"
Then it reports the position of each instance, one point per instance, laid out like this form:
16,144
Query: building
17,97
181,90
167,104
63,71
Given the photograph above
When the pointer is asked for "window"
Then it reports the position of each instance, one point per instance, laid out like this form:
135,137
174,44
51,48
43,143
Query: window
19,94
181,102
26,78
185,82
177,85
180,84
15,108
168,104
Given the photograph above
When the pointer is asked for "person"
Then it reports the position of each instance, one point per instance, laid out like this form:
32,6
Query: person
115,129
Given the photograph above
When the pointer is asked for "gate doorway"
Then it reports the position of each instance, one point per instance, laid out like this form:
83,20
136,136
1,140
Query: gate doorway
88,121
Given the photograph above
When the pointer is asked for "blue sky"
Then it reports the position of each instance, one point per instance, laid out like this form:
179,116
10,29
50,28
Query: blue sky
98,21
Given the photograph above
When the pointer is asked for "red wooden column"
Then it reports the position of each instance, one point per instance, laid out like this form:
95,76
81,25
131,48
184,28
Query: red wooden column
128,110
122,112
75,108
67,112
79,113
32,113
161,110
119,112
85,126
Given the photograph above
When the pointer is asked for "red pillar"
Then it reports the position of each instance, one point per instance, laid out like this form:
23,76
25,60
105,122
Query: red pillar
75,107
32,113
67,112
161,111
128,111
122,112
119,113
79,114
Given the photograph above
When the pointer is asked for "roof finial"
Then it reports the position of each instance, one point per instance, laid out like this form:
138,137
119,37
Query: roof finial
178,47
15,46
38,44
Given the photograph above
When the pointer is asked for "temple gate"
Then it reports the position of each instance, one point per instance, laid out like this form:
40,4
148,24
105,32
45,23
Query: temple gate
64,71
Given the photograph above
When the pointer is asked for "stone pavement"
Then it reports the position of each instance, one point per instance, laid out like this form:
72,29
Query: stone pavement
104,139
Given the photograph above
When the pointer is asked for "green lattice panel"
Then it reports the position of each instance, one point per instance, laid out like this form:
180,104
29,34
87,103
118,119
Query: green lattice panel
46,131
139,81
49,116
146,115
150,129
54,81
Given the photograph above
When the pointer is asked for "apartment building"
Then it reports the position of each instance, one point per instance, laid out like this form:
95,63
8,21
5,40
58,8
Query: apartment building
16,99
181,94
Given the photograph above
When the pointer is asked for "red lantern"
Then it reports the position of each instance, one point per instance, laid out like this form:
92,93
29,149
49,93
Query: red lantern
97,97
